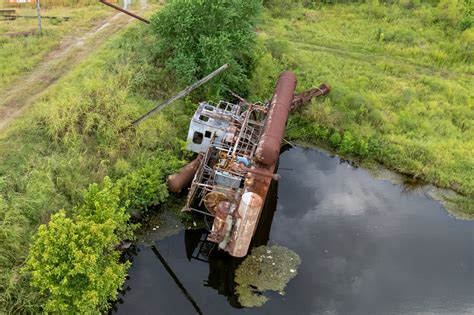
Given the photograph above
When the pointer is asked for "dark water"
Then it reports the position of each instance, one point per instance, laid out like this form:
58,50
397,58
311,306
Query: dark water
367,247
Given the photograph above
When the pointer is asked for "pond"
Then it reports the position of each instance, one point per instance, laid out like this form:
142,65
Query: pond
367,246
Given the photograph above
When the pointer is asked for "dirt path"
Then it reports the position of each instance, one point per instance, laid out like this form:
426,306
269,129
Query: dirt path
25,90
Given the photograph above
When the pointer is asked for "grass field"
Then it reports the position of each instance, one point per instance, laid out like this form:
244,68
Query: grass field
402,96
19,55
401,87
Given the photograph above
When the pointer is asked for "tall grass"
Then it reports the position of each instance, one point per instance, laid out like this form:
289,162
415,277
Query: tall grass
70,138
402,85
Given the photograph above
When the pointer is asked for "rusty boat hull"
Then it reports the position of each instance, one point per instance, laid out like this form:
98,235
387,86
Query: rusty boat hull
238,147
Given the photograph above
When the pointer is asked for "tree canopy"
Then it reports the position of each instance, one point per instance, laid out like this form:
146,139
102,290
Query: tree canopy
199,36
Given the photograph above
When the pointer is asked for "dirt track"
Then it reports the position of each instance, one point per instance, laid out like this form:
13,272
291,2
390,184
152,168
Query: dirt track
24,91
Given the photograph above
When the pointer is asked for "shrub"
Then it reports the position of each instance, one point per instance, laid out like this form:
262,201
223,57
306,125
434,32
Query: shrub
146,186
73,259
347,144
199,36
335,139
262,80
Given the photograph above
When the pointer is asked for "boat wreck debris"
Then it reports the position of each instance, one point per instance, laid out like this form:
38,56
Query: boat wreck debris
238,147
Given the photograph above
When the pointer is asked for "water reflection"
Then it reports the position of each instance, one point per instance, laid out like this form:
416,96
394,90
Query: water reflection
367,247
222,266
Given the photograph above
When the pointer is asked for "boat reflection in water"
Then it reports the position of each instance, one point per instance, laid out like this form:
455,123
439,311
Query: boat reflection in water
222,266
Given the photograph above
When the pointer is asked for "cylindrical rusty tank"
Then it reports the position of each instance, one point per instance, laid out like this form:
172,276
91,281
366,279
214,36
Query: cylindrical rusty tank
219,226
269,146
184,177
249,211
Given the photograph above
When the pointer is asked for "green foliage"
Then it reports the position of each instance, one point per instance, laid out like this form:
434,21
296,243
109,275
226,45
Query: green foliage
454,13
70,138
335,139
74,261
347,144
146,187
262,80
197,37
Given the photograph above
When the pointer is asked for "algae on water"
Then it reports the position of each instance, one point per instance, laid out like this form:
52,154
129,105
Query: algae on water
265,269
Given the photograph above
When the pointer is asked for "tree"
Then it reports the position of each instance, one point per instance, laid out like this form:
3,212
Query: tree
199,36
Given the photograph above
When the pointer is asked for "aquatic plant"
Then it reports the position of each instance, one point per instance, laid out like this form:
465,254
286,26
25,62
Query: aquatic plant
265,269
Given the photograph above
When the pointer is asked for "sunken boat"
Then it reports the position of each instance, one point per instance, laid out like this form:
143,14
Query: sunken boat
237,147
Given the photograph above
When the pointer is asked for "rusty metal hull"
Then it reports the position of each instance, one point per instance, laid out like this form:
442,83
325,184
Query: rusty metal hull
184,177
249,212
258,179
242,146
269,147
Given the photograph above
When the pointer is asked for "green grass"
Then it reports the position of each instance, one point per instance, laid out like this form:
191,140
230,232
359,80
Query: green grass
71,137
18,55
401,87
403,101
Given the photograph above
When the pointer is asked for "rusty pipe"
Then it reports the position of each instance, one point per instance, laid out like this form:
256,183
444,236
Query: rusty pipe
268,148
306,96
260,172
116,7
184,177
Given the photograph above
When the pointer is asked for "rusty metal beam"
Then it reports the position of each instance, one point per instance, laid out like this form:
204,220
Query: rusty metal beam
116,7
306,96
181,94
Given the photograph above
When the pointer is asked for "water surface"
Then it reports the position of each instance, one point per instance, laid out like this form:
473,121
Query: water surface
368,246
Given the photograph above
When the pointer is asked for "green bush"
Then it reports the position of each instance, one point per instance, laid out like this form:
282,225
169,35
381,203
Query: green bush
146,186
73,260
453,13
347,144
335,139
199,36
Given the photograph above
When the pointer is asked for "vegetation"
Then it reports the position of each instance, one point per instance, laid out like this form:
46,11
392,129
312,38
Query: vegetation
74,260
19,55
265,269
200,36
70,138
401,78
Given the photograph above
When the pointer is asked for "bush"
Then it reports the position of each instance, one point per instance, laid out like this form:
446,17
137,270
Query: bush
347,144
146,186
200,36
335,139
452,12
73,259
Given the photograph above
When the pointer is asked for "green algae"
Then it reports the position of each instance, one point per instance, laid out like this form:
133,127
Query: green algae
265,269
